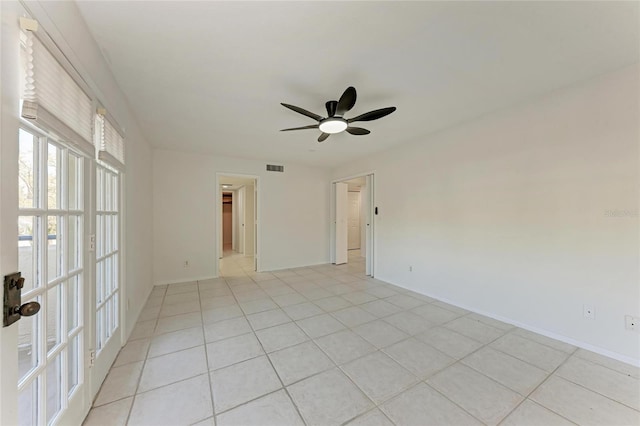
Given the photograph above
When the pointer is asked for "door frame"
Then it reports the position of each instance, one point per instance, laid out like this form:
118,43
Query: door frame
218,220
371,245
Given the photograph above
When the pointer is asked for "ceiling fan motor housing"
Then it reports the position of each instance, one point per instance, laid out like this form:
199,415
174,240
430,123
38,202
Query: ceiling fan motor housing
333,125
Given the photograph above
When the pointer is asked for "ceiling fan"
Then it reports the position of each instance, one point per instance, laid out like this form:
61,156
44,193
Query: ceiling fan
335,121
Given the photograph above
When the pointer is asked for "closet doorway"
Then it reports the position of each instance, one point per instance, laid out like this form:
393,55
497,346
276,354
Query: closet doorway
353,229
237,236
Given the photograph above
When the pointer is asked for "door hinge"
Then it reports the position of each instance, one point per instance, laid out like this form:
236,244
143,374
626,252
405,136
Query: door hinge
92,358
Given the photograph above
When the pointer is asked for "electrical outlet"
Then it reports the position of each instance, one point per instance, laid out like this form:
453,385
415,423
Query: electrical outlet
589,312
632,323
410,268
186,264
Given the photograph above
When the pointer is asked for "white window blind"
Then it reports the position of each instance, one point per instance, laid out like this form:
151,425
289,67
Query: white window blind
111,141
51,99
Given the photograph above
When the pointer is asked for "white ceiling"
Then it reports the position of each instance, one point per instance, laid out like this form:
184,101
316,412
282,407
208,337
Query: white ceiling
209,76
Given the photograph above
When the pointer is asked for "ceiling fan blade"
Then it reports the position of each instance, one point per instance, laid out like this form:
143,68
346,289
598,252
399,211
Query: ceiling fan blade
347,101
372,115
357,131
323,137
312,126
302,111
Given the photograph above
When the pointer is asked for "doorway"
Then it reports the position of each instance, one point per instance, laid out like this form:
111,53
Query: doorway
353,227
227,222
237,236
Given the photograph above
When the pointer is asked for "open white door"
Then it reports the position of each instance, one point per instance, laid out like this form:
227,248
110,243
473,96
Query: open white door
342,222
368,206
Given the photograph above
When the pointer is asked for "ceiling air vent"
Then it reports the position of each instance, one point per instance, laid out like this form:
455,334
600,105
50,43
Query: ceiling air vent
274,168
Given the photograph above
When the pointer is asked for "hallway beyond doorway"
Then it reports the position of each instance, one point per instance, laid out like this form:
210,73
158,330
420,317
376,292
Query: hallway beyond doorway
237,222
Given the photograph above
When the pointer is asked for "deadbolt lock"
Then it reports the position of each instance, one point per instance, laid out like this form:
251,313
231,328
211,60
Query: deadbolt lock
13,308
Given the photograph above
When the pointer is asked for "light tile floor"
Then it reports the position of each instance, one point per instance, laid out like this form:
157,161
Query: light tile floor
326,345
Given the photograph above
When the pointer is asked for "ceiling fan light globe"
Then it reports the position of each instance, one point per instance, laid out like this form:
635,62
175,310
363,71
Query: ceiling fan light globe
333,125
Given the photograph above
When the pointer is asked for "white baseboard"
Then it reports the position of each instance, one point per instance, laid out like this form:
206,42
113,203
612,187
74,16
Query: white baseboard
184,280
307,265
578,343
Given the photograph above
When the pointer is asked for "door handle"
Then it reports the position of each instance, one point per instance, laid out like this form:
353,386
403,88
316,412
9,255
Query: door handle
13,309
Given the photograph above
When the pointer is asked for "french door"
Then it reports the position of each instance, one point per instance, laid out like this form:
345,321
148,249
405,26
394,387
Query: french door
51,229
60,227
107,294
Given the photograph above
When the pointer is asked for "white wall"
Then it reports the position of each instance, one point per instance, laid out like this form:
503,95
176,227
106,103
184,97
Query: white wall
510,215
65,24
294,206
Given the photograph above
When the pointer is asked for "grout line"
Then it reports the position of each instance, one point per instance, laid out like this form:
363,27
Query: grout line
206,357
276,373
549,375
144,363
360,284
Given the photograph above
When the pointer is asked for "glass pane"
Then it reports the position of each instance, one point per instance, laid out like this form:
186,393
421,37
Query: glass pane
116,235
114,192
54,380
54,300
54,248
27,170
73,361
74,236
99,237
114,313
108,276
114,269
74,182
73,303
99,188
99,282
108,235
28,404
28,343
28,253
108,318
52,177
107,190
99,328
